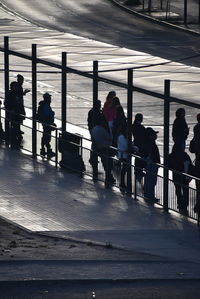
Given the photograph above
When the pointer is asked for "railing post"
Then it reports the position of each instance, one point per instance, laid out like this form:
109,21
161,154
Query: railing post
199,12
129,131
34,100
64,92
6,84
149,6
185,12
95,88
166,145
95,99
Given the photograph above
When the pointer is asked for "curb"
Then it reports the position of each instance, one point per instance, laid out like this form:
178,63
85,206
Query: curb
154,20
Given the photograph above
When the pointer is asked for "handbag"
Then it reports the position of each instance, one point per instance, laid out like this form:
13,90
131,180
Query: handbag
194,146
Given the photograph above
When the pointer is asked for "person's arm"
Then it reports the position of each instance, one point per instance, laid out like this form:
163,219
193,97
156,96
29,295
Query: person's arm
26,91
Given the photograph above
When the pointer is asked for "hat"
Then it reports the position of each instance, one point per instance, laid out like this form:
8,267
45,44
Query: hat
46,95
151,131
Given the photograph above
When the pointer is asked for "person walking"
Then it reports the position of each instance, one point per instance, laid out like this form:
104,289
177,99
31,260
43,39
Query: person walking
180,129
46,116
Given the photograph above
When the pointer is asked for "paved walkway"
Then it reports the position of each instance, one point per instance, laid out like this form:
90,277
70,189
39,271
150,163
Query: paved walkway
38,197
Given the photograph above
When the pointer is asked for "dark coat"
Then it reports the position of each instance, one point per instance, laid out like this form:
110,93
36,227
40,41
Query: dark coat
180,129
150,150
138,131
91,120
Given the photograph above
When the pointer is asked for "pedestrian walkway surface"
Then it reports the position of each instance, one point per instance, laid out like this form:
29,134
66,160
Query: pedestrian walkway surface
38,197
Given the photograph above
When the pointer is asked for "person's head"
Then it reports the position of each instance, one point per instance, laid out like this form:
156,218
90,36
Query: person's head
151,134
20,79
47,98
180,112
110,96
14,86
139,117
116,102
198,117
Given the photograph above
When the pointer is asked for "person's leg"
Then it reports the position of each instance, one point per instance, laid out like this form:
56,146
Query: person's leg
44,141
107,165
185,196
177,184
139,174
50,153
123,173
150,181
94,161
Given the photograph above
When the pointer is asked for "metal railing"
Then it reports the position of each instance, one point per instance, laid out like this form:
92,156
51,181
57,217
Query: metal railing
73,154
34,130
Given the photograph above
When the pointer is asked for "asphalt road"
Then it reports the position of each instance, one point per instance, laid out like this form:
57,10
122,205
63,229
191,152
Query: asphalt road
101,289
101,20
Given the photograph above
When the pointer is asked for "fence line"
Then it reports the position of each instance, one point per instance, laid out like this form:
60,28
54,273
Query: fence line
94,76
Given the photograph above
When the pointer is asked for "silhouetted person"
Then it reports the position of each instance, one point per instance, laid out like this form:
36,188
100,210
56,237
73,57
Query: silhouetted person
46,117
196,137
102,140
138,132
93,120
108,109
180,128
14,117
119,120
180,161
122,154
21,92
150,153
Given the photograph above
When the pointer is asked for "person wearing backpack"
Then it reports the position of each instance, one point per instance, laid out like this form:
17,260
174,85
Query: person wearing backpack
45,115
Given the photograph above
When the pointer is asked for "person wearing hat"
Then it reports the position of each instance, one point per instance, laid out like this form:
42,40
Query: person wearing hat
150,153
45,115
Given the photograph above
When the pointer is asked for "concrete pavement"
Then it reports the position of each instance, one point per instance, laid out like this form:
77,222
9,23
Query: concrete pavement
41,198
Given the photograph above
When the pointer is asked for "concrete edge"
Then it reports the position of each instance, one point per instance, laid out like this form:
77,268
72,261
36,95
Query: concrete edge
154,20
101,280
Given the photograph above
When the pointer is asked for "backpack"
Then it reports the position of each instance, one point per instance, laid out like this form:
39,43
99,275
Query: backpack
40,114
